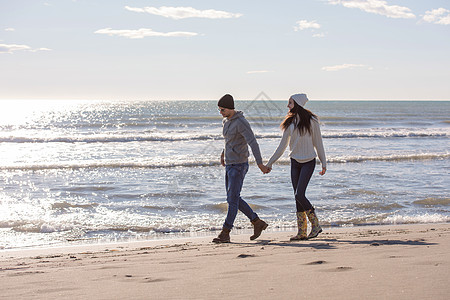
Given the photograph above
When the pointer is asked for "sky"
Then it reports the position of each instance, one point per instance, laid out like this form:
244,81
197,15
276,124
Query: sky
200,50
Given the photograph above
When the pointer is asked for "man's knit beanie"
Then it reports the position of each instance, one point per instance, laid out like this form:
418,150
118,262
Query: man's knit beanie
226,102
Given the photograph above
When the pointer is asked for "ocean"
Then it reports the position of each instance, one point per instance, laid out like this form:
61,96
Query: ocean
74,172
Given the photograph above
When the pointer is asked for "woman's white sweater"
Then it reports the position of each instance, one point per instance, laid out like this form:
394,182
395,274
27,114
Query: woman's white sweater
301,146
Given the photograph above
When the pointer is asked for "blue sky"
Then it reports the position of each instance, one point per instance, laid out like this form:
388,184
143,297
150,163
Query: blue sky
167,50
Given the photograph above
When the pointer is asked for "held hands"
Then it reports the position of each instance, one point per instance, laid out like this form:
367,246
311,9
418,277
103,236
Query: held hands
264,168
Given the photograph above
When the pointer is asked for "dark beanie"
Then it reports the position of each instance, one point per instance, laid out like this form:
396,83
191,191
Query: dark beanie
226,102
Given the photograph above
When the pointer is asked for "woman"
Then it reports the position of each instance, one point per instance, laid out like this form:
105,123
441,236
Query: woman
301,131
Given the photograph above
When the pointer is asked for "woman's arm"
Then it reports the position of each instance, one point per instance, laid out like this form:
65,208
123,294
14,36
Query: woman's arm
281,147
318,144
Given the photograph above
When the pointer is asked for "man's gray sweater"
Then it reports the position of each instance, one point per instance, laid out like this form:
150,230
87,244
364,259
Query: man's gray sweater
238,134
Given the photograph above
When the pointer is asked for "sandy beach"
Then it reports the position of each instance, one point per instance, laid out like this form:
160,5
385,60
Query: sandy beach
370,262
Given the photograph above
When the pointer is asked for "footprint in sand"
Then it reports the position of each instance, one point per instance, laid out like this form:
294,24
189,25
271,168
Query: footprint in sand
317,262
339,269
151,280
245,255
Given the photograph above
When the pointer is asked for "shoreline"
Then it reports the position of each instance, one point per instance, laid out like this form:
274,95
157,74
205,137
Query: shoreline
406,261
181,236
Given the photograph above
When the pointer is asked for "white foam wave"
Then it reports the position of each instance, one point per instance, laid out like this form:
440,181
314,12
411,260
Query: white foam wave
49,228
113,165
209,162
425,218
383,134
107,139
421,156
360,159
11,224
182,136
42,227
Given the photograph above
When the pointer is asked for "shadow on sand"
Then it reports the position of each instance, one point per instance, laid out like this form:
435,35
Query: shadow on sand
329,244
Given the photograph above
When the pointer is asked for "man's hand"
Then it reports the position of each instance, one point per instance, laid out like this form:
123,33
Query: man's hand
263,168
222,159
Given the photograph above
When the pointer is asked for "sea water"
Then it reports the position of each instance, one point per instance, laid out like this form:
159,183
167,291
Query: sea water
90,171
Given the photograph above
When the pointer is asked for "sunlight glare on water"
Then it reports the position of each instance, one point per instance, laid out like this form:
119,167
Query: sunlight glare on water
83,171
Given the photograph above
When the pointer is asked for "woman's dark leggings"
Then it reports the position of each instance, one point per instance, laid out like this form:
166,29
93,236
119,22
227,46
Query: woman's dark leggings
300,175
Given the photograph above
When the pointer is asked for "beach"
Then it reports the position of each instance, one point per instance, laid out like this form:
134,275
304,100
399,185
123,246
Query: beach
131,133
121,200
408,261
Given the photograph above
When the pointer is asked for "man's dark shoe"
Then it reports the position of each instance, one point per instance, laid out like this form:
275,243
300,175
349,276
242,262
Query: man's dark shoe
258,226
224,236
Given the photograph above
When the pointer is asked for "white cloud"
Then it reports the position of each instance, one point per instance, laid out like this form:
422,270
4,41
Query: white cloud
11,48
438,16
319,35
258,72
4,48
143,32
9,29
345,66
304,24
184,12
377,7
40,49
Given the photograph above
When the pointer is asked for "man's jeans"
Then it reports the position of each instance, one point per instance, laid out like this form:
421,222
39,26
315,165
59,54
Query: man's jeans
234,179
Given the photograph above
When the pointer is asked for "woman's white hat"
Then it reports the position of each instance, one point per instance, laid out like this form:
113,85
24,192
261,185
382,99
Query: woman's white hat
300,99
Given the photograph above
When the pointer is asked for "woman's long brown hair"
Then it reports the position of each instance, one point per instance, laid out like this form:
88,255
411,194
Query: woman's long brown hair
304,116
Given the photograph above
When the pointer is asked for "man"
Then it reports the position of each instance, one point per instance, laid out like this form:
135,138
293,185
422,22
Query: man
238,135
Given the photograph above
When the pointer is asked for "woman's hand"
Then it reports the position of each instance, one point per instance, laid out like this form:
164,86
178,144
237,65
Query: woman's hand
324,170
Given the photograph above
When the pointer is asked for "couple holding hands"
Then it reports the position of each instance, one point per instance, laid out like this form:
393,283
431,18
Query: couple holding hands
301,131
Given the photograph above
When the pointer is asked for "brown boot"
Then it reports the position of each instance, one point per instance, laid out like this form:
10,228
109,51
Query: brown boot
224,236
258,226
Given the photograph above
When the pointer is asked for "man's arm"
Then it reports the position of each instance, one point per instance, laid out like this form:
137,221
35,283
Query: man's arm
222,158
250,138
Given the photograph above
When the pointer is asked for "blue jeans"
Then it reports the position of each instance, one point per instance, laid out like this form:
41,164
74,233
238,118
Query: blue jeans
300,175
234,179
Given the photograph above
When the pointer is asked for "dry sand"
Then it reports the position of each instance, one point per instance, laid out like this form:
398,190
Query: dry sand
376,262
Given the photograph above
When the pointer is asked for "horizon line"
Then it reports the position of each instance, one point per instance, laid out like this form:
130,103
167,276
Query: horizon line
135,100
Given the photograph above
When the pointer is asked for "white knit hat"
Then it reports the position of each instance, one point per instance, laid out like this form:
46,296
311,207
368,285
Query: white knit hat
300,99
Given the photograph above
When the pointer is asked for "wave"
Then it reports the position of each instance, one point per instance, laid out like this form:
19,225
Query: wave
212,162
207,225
377,135
406,157
160,208
200,137
415,219
378,206
112,165
39,227
223,207
388,219
433,202
388,158
65,205
386,134
107,139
